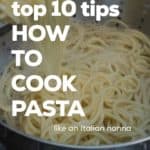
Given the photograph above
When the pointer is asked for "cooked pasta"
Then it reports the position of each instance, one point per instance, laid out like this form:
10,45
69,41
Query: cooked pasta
113,81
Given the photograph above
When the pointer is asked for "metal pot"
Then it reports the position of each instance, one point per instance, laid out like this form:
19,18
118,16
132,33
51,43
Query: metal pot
136,14
27,142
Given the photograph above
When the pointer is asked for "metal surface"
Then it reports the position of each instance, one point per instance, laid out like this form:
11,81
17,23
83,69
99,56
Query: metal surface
4,28
25,142
136,13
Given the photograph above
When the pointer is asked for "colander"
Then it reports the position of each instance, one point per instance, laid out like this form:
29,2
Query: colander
135,13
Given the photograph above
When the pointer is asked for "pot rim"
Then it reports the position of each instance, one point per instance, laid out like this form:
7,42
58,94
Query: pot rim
77,147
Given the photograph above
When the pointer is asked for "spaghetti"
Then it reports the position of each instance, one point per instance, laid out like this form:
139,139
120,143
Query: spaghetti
113,70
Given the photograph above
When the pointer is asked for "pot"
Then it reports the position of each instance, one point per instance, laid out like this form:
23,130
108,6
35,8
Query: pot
28,142
139,19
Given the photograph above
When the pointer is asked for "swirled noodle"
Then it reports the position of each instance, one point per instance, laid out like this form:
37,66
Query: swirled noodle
113,81
113,70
